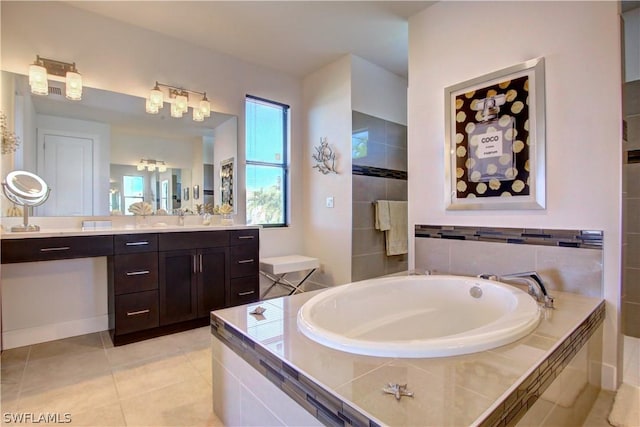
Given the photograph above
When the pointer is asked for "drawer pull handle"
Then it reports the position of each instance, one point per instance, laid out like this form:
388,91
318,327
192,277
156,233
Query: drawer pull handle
245,261
243,294
246,237
142,243
137,313
61,248
137,273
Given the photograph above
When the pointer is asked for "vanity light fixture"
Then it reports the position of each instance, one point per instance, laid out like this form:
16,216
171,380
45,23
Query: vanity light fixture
151,165
179,99
39,75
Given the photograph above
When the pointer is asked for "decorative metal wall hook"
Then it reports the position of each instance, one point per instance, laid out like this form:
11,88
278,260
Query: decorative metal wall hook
325,158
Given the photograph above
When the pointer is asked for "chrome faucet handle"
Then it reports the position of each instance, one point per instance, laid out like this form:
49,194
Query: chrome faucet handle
535,284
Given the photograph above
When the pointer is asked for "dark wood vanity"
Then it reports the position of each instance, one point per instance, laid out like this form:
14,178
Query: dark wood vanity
159,283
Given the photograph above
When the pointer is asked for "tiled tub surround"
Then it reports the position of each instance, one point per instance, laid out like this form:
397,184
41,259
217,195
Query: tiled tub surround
265,372
378,174
567,260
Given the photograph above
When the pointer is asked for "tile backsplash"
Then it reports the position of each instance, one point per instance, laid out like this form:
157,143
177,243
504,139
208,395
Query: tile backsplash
563,268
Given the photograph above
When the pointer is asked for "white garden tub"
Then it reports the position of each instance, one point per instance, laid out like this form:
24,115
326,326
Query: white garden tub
419,316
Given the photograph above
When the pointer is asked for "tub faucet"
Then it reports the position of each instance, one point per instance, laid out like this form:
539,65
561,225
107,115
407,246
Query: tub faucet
533,280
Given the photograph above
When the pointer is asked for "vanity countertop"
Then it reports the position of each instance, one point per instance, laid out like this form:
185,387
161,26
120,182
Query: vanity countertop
127,229
484,388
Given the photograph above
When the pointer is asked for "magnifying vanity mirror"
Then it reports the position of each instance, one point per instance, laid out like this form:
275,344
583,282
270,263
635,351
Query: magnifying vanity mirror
104,153
28,190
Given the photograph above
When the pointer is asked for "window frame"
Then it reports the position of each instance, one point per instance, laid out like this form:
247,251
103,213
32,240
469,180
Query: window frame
283,165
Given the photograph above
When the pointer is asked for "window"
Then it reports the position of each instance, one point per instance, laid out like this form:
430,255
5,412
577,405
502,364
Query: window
133,186
267,168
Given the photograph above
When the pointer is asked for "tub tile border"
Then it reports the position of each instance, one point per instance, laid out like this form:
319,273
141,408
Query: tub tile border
521,399
590,239
332,411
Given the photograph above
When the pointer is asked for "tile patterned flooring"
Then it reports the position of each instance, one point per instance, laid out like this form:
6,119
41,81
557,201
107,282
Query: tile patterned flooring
164,381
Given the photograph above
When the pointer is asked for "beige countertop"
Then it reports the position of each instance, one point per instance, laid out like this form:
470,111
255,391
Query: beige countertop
460,390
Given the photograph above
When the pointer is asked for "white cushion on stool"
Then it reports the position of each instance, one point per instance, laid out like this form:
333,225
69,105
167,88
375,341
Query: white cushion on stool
288,264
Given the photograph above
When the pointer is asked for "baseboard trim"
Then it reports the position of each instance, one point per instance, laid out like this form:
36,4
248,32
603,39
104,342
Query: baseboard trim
56,331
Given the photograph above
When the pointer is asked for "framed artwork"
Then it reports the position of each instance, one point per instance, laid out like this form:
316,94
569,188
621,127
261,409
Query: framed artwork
226,181
495,140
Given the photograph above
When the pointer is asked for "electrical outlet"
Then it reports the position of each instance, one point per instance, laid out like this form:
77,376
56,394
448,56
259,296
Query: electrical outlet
330,202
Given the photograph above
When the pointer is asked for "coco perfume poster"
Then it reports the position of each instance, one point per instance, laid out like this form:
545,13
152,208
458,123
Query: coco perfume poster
495,132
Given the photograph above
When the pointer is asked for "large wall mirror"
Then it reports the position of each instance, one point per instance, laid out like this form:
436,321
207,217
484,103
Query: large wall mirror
103,153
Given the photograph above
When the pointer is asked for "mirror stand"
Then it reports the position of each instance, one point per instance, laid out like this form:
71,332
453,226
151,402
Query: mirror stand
25,226
27,190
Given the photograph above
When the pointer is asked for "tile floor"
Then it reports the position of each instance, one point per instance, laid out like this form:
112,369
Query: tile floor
165,381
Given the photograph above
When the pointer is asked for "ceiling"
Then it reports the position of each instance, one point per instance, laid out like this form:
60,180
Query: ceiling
296,37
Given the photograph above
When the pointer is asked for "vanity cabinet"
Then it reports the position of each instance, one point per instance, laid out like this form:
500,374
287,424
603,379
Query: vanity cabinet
55,248
244,280
160,282
194,278
133,283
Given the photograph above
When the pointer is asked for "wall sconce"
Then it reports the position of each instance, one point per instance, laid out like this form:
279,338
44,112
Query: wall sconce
179,99
151,165
39,75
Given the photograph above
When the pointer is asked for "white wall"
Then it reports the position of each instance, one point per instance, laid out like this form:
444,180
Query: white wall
378,92
450,42
327,231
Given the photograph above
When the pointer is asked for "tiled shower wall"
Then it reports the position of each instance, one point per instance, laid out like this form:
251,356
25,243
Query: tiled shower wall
631,216
380,174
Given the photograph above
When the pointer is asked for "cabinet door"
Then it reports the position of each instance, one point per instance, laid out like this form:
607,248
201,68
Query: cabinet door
178,286
212,280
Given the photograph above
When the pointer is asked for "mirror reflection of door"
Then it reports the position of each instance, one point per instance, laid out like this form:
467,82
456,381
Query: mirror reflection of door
71,187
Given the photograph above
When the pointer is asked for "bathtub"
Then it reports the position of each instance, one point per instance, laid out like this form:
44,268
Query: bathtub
419,316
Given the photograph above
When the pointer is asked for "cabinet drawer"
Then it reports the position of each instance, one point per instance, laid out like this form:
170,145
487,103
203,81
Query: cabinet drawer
135,272
54,248
243,290
135,243
135,312
244,237
243,261
192,240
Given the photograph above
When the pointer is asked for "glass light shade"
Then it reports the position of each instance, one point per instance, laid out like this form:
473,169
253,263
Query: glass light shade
182,102
175,111
198,116
151,167
74,86
140,166
38,80
151,108
162,168
156,97
205,107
